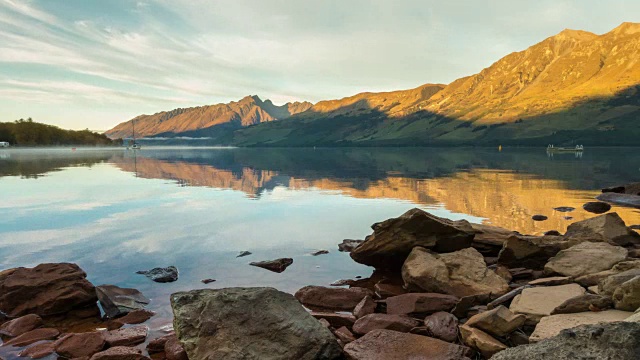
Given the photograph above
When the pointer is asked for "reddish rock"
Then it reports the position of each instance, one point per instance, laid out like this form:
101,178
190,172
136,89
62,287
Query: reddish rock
126,337
21,325
319,297
120,353
117,301
38,351
442,325
134,317
365,307
504,273
393,345
384,290
343,334
33,336
46,289
420,303
334,319
384,321
173,350
157,345
278,265
80,344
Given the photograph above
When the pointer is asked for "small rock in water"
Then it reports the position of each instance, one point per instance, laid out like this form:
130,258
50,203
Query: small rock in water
635,227
117,301
596,207
161,275
278,265
244,253
342,282
568,217
539,217
208,281
553,233
360,277
319,252
564,209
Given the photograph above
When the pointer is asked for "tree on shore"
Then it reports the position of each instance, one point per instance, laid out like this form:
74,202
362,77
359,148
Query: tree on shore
30,133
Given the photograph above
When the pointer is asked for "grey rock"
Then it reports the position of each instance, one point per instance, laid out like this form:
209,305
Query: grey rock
564,209
161,275
348,245
442,325
117,301
243,254
596,207
539,218
277,265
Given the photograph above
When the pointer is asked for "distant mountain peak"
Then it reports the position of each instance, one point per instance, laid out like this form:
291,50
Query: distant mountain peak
627,28
579,35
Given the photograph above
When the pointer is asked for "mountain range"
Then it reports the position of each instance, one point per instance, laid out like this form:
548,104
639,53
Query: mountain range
572,88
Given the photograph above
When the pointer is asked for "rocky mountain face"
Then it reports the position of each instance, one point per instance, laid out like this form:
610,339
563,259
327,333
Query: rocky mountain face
248,111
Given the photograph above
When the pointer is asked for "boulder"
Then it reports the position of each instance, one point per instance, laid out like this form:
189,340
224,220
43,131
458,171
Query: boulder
627,200
47,289
489,235
585,258
583,303
161,275
552,325
21,325
393,239
596,207
481,341
627,295
120,353
497,322
127,336
420,303
604,228
277,265
390,345
537,302
620,341
334,319
157,345
249,323
384,321
348,245
596,278
38,351
461,273
631,188
78,345
365,307
442,325
531,252
320,298
33,336
343,334
134,317
608,286
117,301
173,350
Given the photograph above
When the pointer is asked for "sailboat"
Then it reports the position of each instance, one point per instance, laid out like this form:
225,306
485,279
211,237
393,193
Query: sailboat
134,145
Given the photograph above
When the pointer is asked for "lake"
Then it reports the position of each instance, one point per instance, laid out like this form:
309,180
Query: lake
115,212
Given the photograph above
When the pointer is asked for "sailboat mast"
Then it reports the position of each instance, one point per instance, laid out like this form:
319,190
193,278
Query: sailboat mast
133,122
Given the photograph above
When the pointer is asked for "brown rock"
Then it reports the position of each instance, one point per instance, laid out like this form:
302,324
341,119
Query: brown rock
21,325
442,325
384,321
538,302
277,265
521,273
552,325
467,302
550,281
126,337
585,258
120,353
420,303
490,235
33,336
604,228
583,303
481,341
79,345
608,286
393,345
497,322
348,245
173,350
38,351
385,290
157,345
596,278
334,319
319,297
343,334
393,239
365,307
504,273
47,289
134,317
627,295
531,252
117,301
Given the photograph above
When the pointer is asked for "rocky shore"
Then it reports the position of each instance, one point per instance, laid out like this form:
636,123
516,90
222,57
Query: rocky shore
441,289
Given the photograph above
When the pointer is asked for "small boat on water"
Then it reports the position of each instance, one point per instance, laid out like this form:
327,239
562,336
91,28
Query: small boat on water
578,148
134,145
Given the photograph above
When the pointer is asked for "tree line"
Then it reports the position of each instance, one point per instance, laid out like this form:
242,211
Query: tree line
30,133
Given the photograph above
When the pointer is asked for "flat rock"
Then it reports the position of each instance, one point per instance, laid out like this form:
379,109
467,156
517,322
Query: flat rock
550,281
117,301
627,200
320,252
497,322
38,351
631,188
442,325
384,321
161,275
21,325
394,345
134,317
120,353
277,265
336,320
47,289
80,344
343,334
539,218
583,303
366,306
596,278
537,302
460,273
393,239
33,336
627,295
173,350
319,297
249,323
585,258
127,336
420,303
347,245
530,252
481,341
619,341
604,228
244,253
552,325
596,207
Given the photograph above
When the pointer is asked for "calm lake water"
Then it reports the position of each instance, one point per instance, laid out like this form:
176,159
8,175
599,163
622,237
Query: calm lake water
114,211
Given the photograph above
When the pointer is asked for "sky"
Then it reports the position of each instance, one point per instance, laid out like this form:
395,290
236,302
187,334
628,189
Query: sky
95,63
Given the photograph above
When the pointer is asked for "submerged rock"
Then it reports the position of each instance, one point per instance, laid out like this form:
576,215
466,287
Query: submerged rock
243,254
161,275
564,209
277,265
392,240
117,301
207,281
47,289
249,323
596,207
21,325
